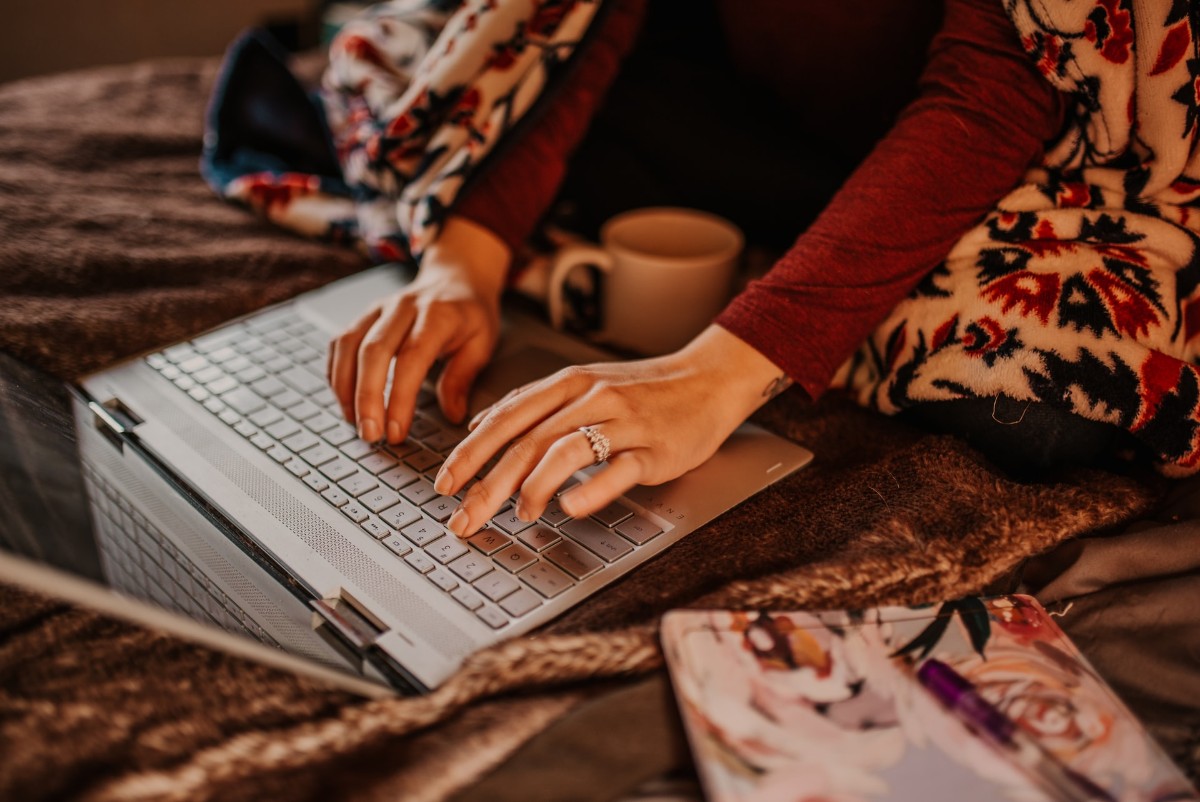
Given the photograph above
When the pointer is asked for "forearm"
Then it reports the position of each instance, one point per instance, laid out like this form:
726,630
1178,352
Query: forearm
979,122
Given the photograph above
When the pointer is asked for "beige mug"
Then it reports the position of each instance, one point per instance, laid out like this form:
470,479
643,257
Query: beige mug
667,273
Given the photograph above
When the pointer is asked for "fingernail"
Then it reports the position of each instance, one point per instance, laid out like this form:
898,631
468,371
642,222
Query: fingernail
393,432
443,481
458,522
369,430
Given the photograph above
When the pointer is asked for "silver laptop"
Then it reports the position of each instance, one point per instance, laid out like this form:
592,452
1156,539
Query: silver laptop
224,485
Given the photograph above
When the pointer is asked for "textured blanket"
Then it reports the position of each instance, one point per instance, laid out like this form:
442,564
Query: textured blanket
110,243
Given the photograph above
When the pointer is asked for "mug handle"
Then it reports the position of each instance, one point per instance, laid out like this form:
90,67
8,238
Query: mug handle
568,258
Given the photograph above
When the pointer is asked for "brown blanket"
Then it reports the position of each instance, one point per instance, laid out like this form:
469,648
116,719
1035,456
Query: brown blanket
111,244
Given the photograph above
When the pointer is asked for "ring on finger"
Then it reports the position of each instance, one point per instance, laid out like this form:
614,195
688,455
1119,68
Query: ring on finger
601,447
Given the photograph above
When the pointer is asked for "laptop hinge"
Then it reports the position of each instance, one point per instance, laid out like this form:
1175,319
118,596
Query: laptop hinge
113,420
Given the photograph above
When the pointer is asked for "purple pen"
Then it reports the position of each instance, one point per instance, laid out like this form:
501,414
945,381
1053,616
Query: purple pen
958,695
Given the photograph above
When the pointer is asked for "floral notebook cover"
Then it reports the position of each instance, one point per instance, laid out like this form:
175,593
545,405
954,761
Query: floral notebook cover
825,706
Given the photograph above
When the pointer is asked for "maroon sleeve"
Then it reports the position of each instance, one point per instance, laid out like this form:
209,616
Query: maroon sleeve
978,123
515,190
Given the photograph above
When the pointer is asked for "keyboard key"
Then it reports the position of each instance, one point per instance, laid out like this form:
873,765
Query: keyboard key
304,410
397,544
266,416
422,460
492,617
340,434
245,429
567,485
198,393
222,385
496,585
401,515
354,511
604,543
220,355
237,364
520,603
194,364
358,483
179,353
250,374
420,560
514,558
573,558
446,549
489,541
377,462
268,386
156,361
419,492
399,476
339,469
317,482
209,374
445,440
217,341
282,429
379,499
243,401
471,566
229,417
286,399
402,449
274,336
171,372
262,441
638,529
554,514
613,514
440,508
467,597
377,528
318,454
546,579
277,363
304,382
305,354
539,537
300,441
297,468
421,427
336,497
357,448
424,531
321,423
185,382
324,397
510,523
443,579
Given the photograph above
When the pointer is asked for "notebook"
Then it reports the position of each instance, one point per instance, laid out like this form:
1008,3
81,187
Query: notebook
795,705
225,486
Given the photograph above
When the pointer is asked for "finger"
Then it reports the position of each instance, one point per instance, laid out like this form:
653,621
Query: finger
375,353
429,337
454,385
511,394
567,455
504,422
343,361
522,458
623,472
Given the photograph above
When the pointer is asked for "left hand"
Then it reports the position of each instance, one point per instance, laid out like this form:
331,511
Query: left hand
662,416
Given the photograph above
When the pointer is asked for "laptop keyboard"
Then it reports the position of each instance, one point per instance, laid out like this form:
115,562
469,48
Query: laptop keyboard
265,378
140,561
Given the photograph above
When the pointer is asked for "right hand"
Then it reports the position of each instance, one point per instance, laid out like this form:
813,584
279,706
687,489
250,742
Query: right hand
450,311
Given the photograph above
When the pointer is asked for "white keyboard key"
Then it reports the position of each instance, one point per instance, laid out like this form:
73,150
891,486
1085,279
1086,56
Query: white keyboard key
397,544
446,549
336,497
496,585
379,499
377,528
604,543
440,508
443,579
539,537
639,530
319,454
546,579
471,566
420,560
514,558
339,469
317,482
355,512
399,477
492,617
378,462
520,603
424,531
489,541
467,597
401,515
321,423
358,483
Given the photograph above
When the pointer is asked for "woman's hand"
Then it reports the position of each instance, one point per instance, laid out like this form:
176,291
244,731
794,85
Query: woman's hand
662,417
451,310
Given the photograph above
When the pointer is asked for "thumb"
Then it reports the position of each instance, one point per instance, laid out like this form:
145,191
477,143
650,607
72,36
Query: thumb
454,385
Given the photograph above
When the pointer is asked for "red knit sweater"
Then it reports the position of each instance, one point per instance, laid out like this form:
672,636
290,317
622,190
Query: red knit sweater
979,121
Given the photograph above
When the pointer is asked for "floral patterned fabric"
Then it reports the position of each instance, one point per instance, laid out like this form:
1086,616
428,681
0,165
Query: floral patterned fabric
417,94
1080,289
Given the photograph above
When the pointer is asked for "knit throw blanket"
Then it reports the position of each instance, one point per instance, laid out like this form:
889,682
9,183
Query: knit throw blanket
1080,289
417,94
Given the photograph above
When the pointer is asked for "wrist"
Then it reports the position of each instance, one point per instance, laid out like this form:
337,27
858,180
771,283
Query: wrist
470,252
748,378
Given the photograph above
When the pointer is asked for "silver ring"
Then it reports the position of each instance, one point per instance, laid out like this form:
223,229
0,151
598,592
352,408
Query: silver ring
601,447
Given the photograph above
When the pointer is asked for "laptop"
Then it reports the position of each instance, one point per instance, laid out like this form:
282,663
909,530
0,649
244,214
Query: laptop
225,486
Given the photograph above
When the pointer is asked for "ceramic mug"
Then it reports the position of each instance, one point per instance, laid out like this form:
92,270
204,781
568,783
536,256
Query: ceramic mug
667,273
